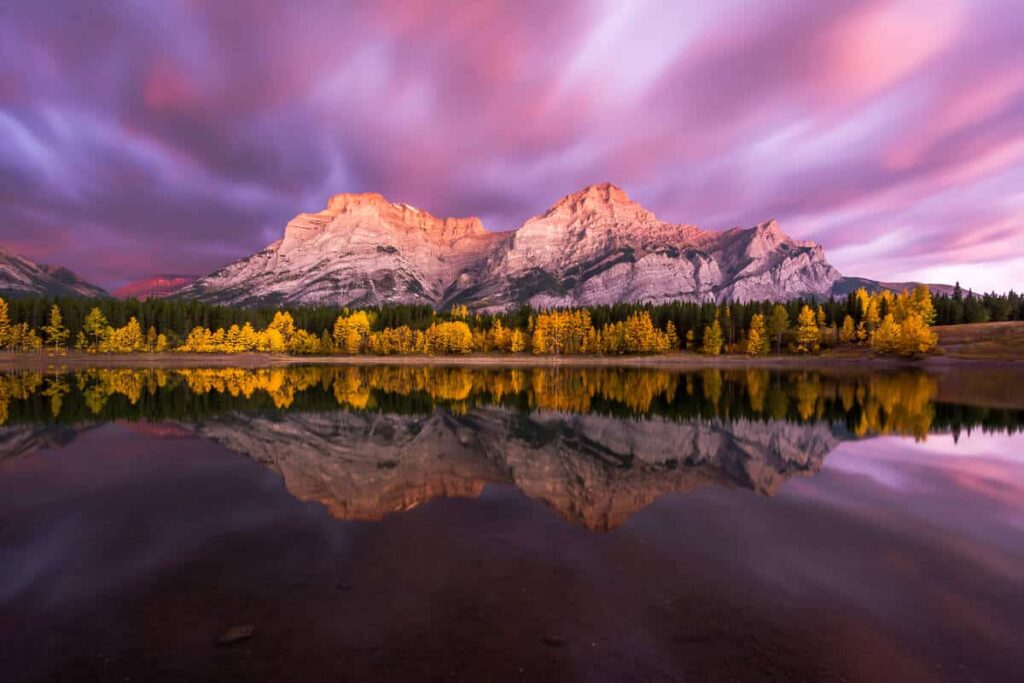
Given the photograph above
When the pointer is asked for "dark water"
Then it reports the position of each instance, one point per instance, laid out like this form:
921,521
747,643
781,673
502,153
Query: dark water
417,523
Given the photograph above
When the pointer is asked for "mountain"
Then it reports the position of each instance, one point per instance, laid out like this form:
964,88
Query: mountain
158,286
21,277
592,470
361,249
596,246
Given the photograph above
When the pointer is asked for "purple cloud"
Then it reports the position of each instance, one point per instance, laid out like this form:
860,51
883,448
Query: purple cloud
178,136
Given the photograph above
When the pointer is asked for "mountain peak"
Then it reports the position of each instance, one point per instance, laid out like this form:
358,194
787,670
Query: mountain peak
603,199
154,287
345,201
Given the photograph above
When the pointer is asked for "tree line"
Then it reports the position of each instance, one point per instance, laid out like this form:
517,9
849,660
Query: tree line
960,307
884,322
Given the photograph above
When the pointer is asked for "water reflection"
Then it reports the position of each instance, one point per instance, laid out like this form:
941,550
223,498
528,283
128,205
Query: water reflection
596,445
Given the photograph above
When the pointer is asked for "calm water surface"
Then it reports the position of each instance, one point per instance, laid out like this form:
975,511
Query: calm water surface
601,524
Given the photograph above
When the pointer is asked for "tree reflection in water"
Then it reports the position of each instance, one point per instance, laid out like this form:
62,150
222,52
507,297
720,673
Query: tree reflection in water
596,444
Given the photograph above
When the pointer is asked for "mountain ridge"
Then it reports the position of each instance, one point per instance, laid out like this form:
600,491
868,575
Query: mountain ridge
593,246
21,277
158,286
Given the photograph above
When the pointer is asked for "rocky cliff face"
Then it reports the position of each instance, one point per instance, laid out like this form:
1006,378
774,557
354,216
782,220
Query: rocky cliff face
593,471
596,246
21,277
360,250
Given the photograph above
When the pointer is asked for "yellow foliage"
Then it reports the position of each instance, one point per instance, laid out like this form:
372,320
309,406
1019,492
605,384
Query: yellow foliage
757,338
352,332
886,338
447,338
808,336
711,345
847,333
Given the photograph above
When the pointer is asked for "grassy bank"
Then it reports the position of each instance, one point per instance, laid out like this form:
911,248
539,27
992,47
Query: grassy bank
984,341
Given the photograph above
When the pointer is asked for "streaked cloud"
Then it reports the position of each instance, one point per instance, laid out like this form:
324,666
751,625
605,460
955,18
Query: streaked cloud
177,136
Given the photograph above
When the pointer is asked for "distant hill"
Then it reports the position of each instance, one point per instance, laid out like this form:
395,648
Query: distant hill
20,277
154,287
845,285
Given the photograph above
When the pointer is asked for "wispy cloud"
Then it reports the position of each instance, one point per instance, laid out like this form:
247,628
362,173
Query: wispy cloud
177,136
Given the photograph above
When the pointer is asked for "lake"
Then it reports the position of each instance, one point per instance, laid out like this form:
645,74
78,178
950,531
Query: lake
369,523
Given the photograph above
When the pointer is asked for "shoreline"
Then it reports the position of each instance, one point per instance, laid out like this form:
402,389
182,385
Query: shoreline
680,361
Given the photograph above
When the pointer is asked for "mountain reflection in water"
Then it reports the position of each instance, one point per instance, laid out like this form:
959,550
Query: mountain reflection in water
596,445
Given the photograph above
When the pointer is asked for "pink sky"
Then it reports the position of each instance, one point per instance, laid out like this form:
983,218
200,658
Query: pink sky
174,137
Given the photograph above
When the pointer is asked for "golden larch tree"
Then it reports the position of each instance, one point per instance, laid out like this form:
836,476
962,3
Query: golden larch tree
757,338
808,336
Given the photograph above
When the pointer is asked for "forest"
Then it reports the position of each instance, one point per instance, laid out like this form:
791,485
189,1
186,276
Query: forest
883,321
